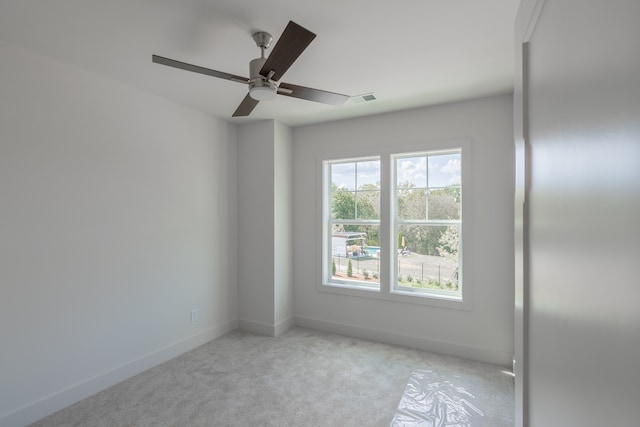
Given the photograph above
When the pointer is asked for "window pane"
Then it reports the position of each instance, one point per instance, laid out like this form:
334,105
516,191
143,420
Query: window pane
368,176
368,204
412,203
355,190
343,176
343,204
428,257
444,203
411,172
368,196
358,245
444,170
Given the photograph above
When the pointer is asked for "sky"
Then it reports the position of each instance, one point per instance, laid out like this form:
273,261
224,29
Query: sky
443,170
344,174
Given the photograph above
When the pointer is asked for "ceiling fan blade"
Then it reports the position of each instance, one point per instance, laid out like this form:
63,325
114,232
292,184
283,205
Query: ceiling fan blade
246,107
310,94
293,41
197,69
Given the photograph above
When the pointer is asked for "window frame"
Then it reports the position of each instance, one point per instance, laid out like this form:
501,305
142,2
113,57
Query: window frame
396,222
385,290
328,222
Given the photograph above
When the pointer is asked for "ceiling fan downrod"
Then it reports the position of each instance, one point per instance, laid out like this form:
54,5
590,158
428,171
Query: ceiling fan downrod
261,88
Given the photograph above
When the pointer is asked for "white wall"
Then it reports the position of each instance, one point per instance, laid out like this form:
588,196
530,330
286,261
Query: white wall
255,227
584,121
525,22
283,226
264,232
118,217
485,332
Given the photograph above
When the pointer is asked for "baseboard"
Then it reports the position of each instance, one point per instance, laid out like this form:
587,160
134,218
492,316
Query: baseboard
501,358
264,328
61,399
283,325
256,327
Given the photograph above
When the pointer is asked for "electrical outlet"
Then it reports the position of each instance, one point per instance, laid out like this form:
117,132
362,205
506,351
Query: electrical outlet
194,315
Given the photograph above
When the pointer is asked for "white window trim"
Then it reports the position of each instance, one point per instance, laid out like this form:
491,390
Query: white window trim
326,220
442,294
385,292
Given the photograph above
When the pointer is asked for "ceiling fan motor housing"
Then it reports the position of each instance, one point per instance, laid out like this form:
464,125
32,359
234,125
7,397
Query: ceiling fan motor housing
260,88
255,66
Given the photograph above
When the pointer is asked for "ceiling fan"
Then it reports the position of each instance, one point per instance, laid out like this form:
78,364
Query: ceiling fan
265,72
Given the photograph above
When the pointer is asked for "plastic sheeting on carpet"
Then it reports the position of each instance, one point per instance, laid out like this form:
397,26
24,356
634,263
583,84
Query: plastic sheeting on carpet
431,400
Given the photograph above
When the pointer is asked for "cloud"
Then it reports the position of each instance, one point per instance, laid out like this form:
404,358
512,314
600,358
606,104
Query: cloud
368,172
452,167
413,170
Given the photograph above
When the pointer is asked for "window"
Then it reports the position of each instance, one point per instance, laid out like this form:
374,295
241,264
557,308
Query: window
400,236
426,223
352,230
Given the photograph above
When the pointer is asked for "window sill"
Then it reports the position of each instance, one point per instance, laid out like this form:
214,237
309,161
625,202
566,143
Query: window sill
454,302
447,296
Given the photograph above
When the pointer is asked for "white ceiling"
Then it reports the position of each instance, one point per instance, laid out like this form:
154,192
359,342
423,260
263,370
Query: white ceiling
409,53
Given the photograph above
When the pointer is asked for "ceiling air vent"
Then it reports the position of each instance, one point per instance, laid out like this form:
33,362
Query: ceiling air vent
363,98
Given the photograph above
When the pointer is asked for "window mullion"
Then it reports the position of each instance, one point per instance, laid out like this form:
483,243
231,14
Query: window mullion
426,191
386,211
428,222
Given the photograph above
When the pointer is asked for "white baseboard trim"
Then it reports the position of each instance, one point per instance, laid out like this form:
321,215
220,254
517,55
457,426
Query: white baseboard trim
496,357
41,408
264,328
283,325
256,327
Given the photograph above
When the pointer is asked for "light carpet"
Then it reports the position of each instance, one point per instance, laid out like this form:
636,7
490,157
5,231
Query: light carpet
301,378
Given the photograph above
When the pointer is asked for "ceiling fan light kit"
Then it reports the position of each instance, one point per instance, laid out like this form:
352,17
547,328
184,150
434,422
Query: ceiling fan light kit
265,72
263,90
